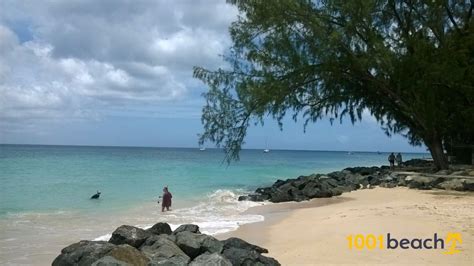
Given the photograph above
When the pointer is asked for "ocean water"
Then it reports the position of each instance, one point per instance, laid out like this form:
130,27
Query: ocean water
45,190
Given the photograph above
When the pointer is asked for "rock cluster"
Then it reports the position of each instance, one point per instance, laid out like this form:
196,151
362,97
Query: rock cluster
353,178
159,245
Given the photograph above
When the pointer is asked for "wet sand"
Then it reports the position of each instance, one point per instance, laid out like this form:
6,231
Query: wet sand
315,232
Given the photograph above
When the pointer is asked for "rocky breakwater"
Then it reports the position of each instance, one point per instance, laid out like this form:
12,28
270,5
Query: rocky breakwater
159,245
354,178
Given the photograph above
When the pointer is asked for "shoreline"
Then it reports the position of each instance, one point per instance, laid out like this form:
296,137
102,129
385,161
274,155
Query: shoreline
315,231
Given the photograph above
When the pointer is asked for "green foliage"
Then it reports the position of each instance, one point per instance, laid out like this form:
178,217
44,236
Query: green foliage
410,63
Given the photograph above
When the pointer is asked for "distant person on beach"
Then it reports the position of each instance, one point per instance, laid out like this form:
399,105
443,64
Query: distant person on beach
166,203
399,159
391,160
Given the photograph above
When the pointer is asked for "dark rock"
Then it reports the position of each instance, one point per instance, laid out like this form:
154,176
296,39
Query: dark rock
454,184
418,163
160,228
83,253
469,185
181,248
239,256
258,197
243,198
109,261
161,249
234,242
128,254
388,184
338,175
195,244
444,172
278,183
264,190
210,244
374,180
311,190
189,243
423,182
363,170
130,235
213,259
187,227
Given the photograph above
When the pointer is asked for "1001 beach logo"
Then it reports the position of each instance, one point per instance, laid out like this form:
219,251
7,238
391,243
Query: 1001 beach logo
449,244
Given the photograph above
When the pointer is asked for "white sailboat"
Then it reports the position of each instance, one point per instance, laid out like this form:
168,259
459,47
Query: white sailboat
266,150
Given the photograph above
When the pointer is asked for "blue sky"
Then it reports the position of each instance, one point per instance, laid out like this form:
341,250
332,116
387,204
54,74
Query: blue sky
120,73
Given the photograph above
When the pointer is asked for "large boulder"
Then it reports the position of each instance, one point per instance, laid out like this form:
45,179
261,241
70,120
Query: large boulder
189,243
214,259
83,253
160,228
195,244
453,184
109,261
128,254
161,249
235,242
188,228
210,244
423,182
469,184
339,175
240,256
131,235
281,196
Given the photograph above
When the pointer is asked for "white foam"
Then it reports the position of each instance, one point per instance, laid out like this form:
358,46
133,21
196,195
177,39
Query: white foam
218,212
103,238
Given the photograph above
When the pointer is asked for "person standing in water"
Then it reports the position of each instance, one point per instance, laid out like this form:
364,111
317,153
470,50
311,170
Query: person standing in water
391,160
166,203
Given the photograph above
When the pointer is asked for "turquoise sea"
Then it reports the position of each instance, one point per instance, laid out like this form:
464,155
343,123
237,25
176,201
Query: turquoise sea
45,190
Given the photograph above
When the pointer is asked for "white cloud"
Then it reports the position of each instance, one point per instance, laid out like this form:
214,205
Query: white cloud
79,59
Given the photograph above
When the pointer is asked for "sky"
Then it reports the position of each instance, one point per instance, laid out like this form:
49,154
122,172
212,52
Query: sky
119,72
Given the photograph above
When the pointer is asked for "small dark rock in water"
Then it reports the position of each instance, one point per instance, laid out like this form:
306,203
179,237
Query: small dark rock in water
243,198
187,227
160,228
187,246
130,235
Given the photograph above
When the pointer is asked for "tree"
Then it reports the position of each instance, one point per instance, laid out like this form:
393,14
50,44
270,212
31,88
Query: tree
410,63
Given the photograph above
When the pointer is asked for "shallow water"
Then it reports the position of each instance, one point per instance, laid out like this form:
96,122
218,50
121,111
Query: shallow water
45,190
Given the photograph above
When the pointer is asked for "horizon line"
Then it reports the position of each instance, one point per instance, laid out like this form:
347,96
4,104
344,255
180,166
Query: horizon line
197,147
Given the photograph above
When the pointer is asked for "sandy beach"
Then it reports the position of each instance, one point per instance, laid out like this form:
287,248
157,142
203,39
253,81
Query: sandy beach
316,231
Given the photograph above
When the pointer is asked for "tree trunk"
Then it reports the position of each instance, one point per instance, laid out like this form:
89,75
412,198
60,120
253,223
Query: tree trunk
435,145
